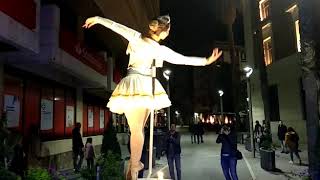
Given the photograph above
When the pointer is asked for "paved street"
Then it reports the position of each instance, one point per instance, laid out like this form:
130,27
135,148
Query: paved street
202,162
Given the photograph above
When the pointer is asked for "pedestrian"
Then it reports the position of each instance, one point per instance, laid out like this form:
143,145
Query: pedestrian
282,130
173,152
17,163
192,133
201,132
258,133
134,96
292,141
77,147
89,154
228,153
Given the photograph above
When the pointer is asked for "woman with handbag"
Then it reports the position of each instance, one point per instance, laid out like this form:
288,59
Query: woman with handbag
229,154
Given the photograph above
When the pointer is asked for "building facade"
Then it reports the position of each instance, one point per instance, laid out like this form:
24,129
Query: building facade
274,27
54,74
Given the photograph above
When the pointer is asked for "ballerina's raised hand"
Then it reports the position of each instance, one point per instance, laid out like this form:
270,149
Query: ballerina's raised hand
214,56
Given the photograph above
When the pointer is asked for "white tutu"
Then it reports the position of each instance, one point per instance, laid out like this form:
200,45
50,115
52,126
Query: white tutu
135,90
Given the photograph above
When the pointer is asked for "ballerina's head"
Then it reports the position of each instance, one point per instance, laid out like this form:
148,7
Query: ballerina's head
159,28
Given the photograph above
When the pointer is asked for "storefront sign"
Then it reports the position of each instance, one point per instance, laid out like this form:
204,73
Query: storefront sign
46,114
70,44
69,116
25,12
12,108
101,118
90,117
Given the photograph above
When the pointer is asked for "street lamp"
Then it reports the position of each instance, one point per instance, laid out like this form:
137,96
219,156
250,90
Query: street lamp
221,102
248,70
166,75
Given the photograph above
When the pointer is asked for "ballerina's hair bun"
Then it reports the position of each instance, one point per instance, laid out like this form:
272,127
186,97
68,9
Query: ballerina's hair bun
160,23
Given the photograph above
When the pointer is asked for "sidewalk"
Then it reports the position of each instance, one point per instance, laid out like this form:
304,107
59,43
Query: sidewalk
285,170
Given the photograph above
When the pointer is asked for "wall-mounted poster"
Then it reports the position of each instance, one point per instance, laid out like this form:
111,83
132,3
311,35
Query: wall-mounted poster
69,116
12,107
101,118
46,114
90,117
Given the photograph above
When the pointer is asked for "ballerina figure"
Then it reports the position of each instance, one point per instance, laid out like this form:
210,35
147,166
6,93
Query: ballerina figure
133,95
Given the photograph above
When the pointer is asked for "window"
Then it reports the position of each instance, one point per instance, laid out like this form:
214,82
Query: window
264,6
267,50
297,27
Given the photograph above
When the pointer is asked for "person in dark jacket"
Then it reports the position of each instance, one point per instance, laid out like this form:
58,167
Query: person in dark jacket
292,141
228,153
77,147
282,130
192,133
173,152
17,164
200,132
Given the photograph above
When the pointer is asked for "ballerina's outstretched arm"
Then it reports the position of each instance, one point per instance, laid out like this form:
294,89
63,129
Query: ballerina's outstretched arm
126,32
173,57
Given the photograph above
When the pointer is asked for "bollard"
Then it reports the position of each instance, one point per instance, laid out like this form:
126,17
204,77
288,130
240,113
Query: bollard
98,173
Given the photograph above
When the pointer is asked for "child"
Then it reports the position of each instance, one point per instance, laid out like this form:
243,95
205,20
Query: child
89,153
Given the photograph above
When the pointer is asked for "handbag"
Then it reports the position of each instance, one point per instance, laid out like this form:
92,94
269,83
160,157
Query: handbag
239,155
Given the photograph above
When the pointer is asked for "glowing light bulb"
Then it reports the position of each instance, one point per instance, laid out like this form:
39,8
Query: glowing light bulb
160,175
226,120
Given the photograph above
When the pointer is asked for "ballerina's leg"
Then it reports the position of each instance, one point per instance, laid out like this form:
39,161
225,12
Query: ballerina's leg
136,119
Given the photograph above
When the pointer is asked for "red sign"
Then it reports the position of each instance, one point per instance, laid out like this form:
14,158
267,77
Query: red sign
70,44
23,11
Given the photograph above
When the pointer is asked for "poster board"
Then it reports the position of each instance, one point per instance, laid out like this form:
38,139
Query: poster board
90,117
69,116
101,119
46,114
12,108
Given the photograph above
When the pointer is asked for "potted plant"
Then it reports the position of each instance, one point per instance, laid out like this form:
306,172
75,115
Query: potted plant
267,151
37,173
110,146
6,174
110,166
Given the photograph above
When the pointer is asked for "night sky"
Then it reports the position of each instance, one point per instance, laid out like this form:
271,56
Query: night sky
194,30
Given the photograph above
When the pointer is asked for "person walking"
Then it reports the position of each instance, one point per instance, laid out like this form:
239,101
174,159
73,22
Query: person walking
292,141
228,153
192,133
258,133
89,154
282,130
77,147
173,152
134,95
201,132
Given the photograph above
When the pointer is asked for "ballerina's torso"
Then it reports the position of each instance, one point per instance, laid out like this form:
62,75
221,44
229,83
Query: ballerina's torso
143,52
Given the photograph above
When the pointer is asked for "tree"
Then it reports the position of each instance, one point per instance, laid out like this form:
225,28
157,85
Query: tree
110,141
4,136
310,64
